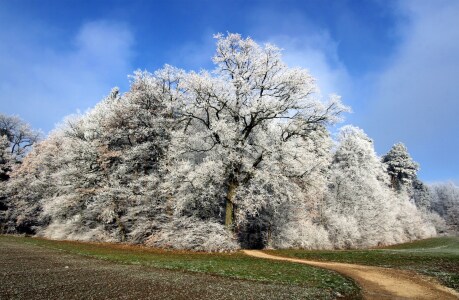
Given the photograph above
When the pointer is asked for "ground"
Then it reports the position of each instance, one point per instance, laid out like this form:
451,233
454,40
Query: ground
32,268
40,269
379,283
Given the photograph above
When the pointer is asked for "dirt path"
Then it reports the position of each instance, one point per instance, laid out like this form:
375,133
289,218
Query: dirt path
377,282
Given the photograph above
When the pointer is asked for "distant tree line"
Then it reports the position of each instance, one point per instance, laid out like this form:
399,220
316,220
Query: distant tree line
237,157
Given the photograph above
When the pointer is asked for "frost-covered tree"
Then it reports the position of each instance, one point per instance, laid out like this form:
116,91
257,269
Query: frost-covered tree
358,210
108,187
445,201
243,147
421,194
16,138
401,167
6,166
32,182
6,159
19,134
362,210
210,161
402,170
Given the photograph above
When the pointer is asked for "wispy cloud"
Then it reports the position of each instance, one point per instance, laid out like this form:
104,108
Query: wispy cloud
49,74
416,98
410,95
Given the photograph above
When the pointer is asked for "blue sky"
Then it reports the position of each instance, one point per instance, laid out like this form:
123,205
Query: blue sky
396,63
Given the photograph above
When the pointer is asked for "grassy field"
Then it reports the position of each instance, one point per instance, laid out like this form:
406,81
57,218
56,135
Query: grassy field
318,283
437,257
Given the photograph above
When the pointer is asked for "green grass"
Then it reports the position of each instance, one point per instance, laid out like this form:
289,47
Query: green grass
323,283
437,257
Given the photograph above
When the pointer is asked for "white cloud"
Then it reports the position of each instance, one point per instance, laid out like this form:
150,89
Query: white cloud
416,98
43,76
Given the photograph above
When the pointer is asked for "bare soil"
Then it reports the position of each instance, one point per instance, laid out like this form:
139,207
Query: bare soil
379,283
33,272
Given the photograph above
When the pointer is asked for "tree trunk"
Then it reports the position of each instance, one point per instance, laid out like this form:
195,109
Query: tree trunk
393,182
121,228
229,211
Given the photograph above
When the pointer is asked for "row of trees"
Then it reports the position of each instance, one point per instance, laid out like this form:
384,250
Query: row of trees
240,156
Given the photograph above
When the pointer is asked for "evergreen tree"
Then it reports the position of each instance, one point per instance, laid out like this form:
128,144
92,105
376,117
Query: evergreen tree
400,167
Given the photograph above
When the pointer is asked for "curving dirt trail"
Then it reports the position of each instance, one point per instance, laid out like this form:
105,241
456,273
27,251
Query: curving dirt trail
376,282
